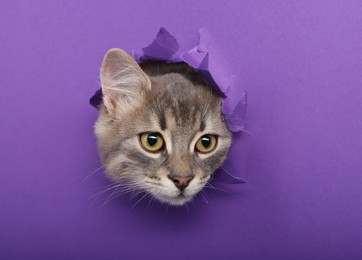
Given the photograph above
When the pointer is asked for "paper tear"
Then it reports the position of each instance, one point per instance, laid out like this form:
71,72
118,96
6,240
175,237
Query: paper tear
207,60
163,47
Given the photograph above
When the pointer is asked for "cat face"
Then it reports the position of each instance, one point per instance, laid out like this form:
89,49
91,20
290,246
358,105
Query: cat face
160,128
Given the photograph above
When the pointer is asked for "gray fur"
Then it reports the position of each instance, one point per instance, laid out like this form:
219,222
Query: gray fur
172,100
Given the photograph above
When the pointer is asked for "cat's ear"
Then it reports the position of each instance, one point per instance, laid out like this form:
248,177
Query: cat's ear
123,81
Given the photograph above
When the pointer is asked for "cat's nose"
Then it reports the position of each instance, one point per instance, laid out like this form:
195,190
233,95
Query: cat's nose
181,182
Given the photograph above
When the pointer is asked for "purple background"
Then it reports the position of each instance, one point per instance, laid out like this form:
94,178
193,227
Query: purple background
301,62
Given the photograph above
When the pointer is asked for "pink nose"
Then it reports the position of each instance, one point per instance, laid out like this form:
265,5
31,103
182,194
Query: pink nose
181,182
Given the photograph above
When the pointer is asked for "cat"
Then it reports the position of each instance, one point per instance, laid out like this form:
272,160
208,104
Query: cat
160,127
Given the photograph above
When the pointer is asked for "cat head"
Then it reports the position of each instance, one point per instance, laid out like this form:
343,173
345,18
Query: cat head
160,127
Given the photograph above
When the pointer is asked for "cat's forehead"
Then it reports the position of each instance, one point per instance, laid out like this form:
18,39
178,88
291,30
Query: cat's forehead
178,101
177,90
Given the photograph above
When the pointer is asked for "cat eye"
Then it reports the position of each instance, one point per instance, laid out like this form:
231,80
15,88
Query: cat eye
152,142
206,143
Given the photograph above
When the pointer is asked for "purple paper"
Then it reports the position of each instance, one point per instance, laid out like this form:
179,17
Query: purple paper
301,64
165,48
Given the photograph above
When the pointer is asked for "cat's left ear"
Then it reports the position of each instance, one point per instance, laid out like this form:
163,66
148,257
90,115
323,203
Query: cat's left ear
123,81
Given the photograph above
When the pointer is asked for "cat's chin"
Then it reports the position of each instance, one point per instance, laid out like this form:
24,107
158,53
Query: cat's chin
174,201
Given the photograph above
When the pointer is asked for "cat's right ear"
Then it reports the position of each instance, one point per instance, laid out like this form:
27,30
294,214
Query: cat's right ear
123,81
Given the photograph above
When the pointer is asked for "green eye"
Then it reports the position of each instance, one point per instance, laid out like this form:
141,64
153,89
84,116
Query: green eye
152,142
206,143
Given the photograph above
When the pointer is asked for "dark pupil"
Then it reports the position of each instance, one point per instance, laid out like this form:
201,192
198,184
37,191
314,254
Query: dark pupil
152,139
206,142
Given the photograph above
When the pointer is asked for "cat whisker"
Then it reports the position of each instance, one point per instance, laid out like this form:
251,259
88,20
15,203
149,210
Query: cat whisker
136,193
123,187
119,190
105,190
115,194
187,209
209,185
225,170
153,199
92,173
104,186
149,202
100,193
247,132
154,183
138,201
204,196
